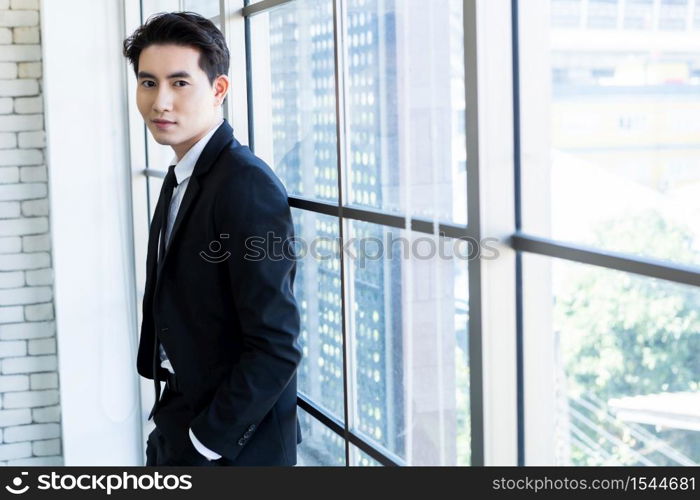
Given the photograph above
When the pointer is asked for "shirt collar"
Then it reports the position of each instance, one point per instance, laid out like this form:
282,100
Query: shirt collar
185,167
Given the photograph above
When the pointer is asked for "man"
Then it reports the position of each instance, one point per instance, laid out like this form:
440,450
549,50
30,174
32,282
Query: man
219,327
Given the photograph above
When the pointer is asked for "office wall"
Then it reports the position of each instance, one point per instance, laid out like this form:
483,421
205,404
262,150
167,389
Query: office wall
30,413
85,90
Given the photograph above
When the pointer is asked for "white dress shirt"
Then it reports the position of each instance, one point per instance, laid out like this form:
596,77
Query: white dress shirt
183,172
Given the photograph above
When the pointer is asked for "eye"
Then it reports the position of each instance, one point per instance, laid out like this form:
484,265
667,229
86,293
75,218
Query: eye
143,83
182,81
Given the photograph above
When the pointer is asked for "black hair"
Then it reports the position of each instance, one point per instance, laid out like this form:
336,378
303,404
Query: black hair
186,29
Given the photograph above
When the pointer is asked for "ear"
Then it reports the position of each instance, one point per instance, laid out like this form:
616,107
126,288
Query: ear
220,86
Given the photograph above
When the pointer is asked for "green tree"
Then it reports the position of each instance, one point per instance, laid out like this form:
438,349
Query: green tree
626,335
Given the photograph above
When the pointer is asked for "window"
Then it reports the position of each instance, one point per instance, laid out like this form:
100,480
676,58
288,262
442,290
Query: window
293,91
362,118
609,239
622,141
573,343
625,380
317,288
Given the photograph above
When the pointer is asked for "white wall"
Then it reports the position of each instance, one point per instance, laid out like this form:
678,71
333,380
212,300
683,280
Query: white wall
30,415
89,180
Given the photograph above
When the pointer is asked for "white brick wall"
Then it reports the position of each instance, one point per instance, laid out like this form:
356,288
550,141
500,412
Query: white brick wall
25,4
11,314
29,69
30,399
8,140
5,104
39,277
9,174
11,279
15,417
10,244
26,35
44,380
22,226
29,330
15,450
15,261
9,209
39,312
30,432
47,447
13,383
30,412
8,70
46,414
23,191
37,243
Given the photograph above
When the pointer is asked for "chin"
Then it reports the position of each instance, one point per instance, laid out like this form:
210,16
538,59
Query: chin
161,138
162,141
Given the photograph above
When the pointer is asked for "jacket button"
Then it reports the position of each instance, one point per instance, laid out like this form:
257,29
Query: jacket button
241,442
247,434
251,428
165,329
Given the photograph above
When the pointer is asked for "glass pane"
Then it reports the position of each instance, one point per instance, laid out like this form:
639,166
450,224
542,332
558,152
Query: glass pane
317,290
625,352
611,135
294,96
406,107
409,367
359,458
638,14
319,445
602,14
672,15
206,8
566,13
150,7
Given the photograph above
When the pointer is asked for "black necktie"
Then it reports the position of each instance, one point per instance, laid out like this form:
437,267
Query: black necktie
166,193
169,184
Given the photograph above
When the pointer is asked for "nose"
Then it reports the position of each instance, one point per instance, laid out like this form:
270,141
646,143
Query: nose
163,101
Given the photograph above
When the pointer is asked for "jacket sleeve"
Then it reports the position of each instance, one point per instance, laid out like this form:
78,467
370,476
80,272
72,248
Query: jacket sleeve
262,286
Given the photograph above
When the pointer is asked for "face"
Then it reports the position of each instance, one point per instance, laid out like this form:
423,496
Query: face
171,86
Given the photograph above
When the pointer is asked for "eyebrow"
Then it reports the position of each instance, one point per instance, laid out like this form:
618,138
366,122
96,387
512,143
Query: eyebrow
178,74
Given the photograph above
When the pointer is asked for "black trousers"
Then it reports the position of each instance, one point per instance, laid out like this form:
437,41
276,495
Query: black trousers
169,443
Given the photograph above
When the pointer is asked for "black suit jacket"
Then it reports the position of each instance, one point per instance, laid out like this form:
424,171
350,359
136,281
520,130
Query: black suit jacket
228,322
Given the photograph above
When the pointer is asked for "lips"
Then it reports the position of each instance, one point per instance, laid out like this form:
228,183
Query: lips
162,125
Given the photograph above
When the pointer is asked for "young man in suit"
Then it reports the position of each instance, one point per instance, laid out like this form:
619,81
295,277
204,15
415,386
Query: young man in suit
220,326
